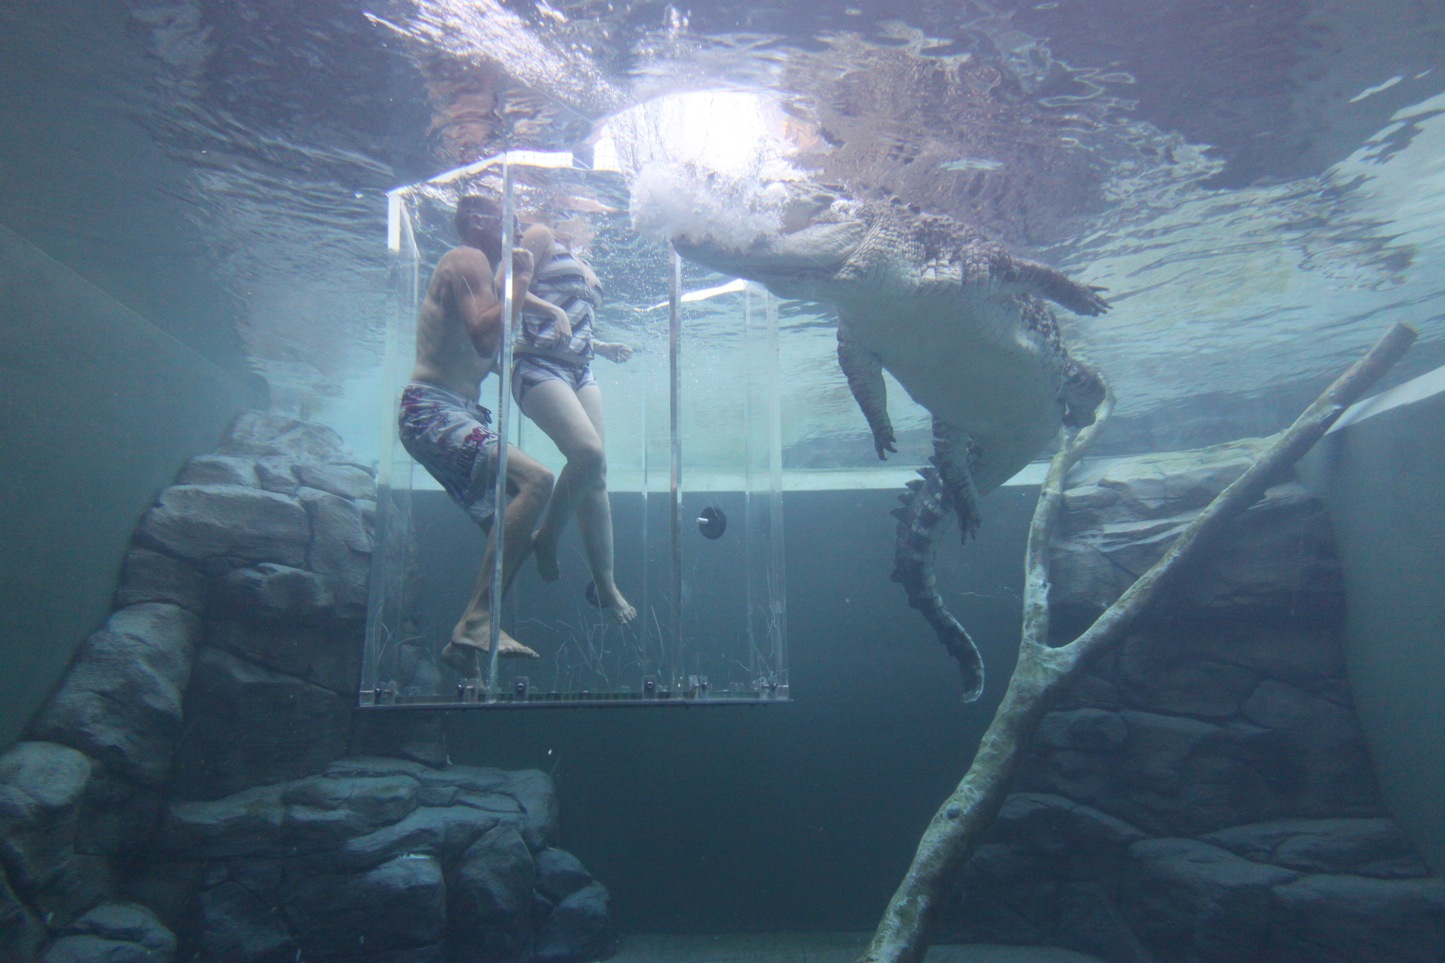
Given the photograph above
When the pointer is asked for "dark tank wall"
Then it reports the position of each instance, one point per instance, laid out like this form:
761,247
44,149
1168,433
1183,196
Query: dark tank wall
768,817
1380,476
98,409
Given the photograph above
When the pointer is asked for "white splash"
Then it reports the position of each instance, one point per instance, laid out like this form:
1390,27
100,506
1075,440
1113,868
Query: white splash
702,164
671,200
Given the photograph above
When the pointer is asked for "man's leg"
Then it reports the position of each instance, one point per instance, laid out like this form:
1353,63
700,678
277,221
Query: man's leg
473,633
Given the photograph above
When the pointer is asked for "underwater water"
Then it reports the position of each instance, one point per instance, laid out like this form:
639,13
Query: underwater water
228,735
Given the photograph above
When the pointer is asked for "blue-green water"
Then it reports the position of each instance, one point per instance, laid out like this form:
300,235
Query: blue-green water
1254,184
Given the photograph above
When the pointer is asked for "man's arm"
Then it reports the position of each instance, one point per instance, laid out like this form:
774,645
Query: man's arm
468,276
478,303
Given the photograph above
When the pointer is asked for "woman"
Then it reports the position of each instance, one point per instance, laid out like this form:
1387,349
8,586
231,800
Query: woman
553,384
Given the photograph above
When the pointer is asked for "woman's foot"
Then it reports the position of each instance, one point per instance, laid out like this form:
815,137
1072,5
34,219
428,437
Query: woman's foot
618,607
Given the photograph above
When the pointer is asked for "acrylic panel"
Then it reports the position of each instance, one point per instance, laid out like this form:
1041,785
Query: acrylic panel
694,450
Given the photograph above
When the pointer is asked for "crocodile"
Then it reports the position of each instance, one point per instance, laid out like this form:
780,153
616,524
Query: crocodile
965,329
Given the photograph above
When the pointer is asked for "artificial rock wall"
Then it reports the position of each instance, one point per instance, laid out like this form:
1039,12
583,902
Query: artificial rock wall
1203,792
198,788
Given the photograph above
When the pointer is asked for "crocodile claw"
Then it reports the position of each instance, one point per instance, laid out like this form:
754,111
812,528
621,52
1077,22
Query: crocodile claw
1084,299
884,441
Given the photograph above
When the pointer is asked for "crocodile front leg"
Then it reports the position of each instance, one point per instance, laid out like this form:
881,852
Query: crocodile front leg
865,380
952,453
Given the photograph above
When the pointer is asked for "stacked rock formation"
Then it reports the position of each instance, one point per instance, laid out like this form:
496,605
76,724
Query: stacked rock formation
197,787
1204,792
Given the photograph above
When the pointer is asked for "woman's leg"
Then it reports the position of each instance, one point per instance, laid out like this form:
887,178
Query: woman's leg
556,409
594,520
573,420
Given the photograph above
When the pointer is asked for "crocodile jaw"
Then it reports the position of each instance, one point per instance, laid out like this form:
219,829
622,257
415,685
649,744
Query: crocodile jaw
791,265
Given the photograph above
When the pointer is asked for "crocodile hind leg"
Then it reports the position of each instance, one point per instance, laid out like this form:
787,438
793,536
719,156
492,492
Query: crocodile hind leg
926,506
953,457
1082,393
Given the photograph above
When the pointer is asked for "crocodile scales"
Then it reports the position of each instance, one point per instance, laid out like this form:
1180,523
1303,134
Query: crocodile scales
962,325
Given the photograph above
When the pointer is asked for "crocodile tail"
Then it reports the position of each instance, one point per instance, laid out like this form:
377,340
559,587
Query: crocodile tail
926,505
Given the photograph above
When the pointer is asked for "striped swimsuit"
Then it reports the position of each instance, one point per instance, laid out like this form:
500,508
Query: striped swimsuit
536,355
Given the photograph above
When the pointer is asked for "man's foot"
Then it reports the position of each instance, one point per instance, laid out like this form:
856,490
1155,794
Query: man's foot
464,660
472,641
546,550
512,649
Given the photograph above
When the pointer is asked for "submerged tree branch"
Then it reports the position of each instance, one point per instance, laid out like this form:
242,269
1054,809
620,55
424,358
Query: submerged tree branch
1042,673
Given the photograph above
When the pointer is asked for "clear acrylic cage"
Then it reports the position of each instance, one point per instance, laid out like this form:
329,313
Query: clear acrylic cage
694,448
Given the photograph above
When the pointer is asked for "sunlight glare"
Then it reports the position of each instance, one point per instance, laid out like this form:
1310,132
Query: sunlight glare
730,132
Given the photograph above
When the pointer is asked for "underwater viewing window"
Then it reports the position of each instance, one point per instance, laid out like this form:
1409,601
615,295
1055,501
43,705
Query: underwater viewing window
694,476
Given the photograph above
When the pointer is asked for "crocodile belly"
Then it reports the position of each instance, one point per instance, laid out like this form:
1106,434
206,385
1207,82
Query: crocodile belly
1002,392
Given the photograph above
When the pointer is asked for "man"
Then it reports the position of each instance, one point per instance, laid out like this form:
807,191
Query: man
458,341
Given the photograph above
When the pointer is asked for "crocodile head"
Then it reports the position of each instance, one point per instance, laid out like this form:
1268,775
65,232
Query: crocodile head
816,234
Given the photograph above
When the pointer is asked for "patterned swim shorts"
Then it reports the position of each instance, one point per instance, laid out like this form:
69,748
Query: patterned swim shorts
449,436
